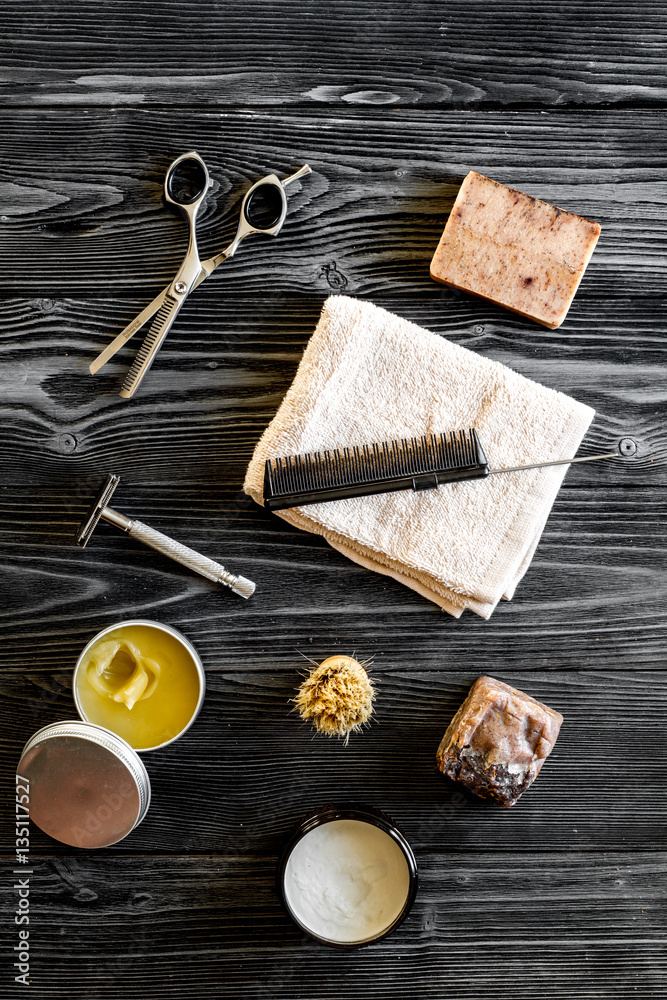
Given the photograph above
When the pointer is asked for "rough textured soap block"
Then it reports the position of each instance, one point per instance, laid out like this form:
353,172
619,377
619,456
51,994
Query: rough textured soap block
498,741
512,249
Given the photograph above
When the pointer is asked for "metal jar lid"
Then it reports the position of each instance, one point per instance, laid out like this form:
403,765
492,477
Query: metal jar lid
87,787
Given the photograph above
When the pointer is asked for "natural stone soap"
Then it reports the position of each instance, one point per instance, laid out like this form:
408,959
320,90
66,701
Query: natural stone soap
498,741
514,250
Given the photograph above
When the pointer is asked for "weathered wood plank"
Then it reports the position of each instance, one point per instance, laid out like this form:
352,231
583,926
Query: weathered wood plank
227,363
248,769
458,54
599,569
89,218
592,926
594,595
391,107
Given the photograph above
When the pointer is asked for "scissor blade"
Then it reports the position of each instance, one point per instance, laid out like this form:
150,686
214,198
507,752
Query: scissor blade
146,354
128,332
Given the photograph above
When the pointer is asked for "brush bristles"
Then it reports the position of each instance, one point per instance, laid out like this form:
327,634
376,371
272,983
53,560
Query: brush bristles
337,697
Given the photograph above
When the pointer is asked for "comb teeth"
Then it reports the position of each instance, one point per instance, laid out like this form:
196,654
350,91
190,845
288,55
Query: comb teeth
152,340
359,470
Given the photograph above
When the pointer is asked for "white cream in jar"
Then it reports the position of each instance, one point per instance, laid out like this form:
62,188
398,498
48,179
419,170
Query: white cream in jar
347,881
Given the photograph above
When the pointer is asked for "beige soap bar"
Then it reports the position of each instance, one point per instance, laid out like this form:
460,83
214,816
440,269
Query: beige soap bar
514,250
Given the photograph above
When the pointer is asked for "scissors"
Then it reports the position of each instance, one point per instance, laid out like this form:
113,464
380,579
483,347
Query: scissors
263,210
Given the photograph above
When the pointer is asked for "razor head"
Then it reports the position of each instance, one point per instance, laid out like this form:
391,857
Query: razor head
101,501
364,470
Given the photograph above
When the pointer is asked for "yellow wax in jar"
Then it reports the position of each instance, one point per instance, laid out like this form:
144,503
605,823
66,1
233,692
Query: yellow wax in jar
140,682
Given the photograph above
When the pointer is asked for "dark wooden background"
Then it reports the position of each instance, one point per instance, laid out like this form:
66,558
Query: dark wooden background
391,104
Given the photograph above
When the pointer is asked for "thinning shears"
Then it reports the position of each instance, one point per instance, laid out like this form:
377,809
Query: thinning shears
263,210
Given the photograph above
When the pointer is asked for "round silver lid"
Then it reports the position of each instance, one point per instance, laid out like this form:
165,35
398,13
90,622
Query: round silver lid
87,787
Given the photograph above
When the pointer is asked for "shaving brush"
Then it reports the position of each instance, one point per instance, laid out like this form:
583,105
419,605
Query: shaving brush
336,697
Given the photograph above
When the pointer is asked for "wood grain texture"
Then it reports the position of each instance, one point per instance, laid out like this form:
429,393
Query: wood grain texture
594,595
89,217
227,363
453,54
248,769
159,927
562,896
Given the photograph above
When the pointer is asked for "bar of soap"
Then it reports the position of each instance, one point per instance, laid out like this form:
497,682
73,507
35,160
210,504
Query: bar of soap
514,250
498,741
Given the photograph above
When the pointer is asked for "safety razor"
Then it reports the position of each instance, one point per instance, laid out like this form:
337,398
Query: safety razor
100,510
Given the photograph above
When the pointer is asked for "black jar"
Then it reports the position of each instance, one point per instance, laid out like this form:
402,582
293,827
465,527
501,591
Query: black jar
347,876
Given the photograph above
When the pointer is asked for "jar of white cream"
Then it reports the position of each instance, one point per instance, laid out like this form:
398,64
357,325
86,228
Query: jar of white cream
347,876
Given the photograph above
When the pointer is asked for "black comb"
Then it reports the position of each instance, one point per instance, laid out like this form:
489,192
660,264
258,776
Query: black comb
363,470
410,464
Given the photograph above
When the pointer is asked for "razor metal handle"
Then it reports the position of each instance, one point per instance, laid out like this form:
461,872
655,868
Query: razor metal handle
181,553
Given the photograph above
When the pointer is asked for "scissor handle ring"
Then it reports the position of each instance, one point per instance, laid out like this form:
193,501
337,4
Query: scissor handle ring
247,224
200,176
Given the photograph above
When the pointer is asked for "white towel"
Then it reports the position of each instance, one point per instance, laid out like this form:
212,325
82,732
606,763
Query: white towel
369,376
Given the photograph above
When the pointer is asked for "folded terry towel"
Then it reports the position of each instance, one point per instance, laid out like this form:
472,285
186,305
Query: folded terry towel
368,376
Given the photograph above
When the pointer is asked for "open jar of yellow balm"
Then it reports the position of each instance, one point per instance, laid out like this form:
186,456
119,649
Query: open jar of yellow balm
142,680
